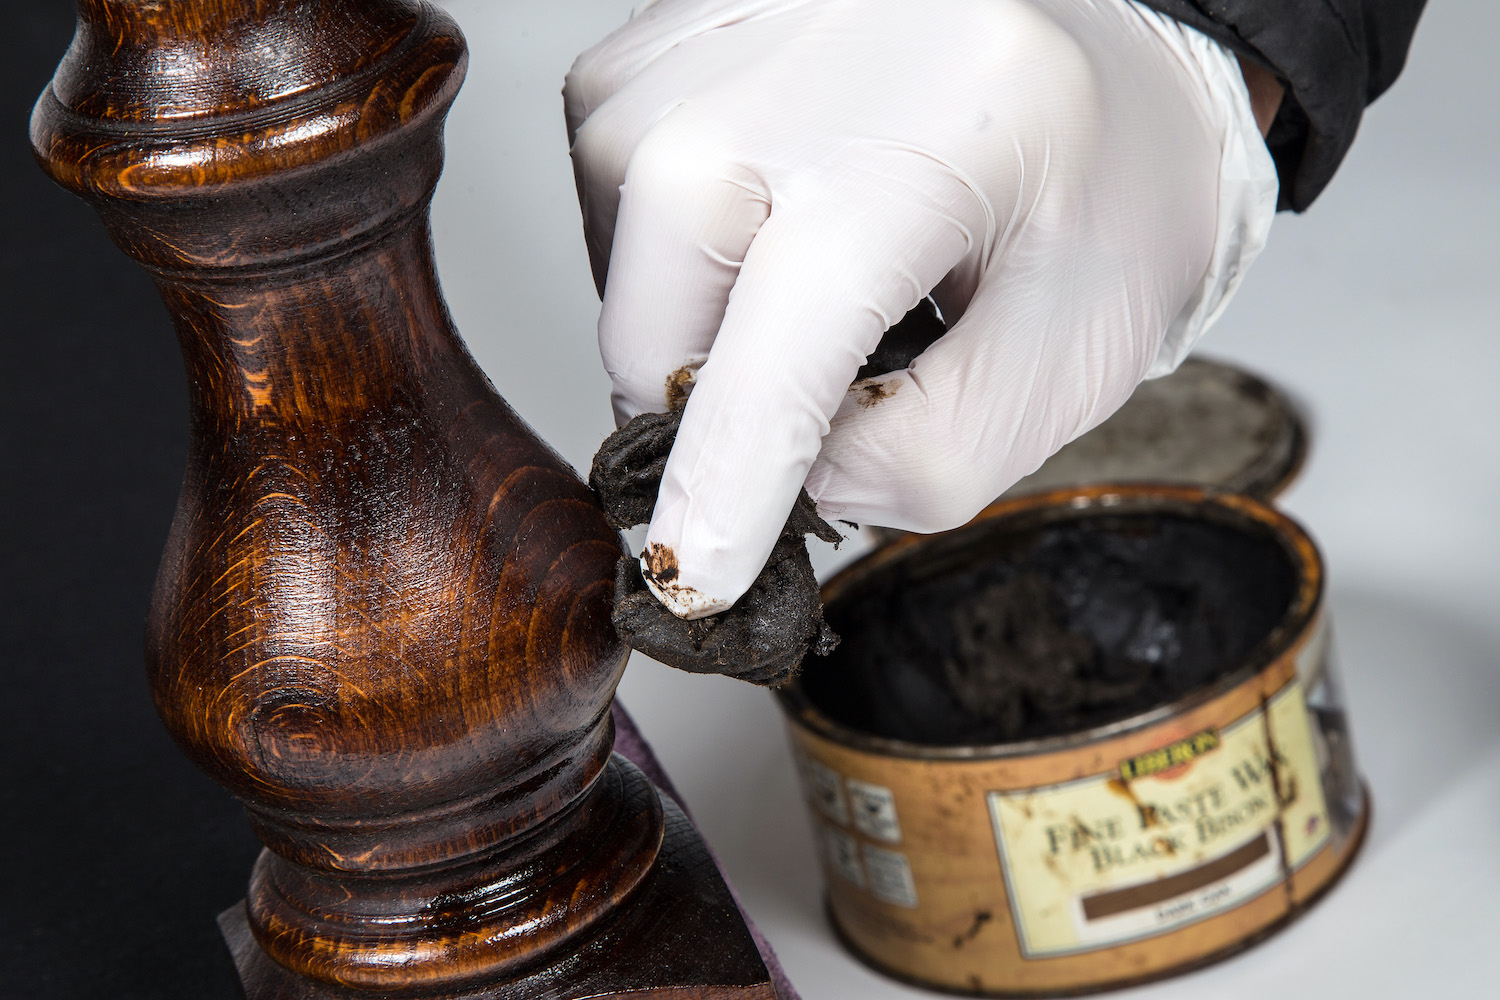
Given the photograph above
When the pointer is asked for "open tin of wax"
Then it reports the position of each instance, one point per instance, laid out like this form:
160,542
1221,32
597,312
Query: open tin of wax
1093,738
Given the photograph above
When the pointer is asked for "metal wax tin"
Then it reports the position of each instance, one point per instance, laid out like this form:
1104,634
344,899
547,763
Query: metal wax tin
1133,846
1209,423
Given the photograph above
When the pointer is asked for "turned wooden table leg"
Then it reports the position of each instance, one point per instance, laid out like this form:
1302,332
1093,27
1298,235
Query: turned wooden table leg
382,617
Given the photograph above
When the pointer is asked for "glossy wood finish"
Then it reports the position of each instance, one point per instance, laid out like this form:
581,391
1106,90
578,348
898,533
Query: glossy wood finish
382,616
680,939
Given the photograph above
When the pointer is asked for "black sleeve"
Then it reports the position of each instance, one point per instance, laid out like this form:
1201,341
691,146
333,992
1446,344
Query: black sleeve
1333,56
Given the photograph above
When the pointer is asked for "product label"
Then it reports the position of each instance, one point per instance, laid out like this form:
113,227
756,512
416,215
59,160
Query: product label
825,788
1204,822
871,809
890,876
842,853
874,809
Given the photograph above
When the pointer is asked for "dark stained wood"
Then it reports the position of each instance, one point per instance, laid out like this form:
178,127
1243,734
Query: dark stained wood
656,951
382,616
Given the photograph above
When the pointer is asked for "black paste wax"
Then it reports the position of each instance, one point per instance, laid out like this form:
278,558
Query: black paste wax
989,637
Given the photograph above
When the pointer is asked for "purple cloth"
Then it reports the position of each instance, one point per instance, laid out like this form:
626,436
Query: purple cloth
630,744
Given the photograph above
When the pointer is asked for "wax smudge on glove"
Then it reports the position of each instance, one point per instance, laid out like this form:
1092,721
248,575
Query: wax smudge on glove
765,635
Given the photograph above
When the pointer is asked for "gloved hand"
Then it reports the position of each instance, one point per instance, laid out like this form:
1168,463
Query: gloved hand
767,185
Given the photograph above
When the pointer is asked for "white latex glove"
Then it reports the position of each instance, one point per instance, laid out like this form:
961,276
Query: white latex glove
770,184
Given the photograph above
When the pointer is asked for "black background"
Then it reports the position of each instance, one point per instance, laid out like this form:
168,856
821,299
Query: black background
117,854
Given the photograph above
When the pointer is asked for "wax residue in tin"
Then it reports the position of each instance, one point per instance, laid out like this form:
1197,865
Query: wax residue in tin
1051,631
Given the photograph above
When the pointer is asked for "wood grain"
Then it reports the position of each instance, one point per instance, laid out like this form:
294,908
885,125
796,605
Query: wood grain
682,939
382,616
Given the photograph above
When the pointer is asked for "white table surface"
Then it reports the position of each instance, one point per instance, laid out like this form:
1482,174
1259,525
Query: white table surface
1375,309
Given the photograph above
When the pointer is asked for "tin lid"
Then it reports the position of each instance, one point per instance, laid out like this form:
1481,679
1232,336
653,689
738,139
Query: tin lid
1207,424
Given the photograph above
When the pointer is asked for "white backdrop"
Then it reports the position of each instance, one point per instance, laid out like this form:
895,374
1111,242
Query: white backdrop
1376,309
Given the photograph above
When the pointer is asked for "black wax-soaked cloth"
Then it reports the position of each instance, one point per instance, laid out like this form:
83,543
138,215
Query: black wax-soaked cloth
900,345
765,635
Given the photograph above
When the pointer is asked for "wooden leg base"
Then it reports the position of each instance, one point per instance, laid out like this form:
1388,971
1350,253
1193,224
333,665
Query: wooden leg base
681,937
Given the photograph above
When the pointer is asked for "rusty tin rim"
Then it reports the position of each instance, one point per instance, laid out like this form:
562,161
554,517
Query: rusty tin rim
1066,503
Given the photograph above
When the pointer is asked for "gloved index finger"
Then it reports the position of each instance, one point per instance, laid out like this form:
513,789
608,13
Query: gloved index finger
823,278
688,211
